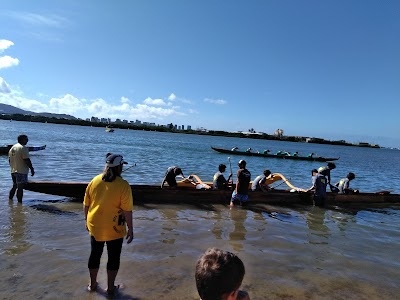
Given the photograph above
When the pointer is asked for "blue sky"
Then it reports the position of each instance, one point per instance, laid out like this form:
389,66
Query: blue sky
328,69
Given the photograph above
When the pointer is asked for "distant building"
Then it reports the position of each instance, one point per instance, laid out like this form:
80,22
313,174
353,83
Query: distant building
189,127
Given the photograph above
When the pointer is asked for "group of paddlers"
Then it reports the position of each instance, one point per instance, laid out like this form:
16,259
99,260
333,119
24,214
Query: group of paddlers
321,178
279,153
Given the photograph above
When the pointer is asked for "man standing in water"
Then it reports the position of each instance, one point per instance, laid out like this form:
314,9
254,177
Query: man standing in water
326,171
318,188
108,208
241,192
20,164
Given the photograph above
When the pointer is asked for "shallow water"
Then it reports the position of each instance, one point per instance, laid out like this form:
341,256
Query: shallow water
290,253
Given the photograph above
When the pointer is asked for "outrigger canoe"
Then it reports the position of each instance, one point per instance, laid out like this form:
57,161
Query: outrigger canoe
194,191
268,155
6,149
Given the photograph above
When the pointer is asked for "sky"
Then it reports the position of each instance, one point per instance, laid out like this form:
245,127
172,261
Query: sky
327,69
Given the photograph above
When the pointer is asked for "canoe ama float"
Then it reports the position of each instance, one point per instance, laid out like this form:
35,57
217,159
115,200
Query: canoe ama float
6,149
193,190
244,153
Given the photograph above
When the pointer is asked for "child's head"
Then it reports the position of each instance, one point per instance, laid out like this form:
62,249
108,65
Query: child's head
218,274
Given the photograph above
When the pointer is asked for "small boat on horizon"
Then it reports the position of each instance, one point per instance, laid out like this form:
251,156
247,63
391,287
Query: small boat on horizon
109,128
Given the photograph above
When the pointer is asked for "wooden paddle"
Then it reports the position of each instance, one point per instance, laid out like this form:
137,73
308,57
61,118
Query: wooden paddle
129,168
230,166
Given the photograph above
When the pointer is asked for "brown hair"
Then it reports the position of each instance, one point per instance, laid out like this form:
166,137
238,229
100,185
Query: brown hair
110,173
218,273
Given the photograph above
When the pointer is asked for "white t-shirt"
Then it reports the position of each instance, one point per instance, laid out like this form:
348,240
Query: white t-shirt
17,154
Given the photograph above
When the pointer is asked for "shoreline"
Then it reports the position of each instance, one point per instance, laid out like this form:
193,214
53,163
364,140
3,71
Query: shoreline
263,136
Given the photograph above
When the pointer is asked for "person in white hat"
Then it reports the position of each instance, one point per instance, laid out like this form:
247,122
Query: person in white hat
108,205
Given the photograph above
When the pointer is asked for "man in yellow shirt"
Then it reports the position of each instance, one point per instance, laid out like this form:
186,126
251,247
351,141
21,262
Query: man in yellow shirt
20,164
108,208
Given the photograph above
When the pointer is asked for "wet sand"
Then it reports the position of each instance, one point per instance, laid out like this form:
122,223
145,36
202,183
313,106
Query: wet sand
288,254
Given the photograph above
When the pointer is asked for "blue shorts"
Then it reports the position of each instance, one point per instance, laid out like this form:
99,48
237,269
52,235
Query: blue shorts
19,178
240,197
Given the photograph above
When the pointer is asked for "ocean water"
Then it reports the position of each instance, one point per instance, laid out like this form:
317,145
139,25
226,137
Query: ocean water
299,252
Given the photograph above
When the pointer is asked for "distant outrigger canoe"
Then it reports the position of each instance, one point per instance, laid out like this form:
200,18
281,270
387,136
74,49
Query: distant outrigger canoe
6,149
247,153
192,190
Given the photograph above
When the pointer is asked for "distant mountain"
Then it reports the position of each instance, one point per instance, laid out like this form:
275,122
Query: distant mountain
10,110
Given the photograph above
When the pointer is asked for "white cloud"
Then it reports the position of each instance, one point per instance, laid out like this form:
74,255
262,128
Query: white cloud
172,97
125,100
149,110
8,61
16,98
51,20
155,102
4,87
67,104
5,44
215,101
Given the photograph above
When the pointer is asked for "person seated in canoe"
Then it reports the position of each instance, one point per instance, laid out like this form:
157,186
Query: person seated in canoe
259,184
234,148
310,155
266,151
282,153
219,181
248,150
296,153
170,175
343,186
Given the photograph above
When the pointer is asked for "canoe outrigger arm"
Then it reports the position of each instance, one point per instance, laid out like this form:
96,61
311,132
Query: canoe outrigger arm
194,180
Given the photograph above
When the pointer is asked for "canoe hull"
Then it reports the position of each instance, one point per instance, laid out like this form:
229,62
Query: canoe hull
143,194
244,153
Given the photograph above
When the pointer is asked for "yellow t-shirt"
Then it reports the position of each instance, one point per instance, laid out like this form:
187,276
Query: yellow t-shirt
106,202
17,154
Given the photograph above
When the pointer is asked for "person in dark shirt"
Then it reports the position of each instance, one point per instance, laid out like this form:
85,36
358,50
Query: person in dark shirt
170,175
219,181
318,188
241,192
326,171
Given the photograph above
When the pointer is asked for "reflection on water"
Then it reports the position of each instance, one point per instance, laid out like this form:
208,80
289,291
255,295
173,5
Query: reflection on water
15,237
238,235
318,231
